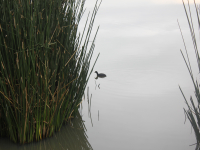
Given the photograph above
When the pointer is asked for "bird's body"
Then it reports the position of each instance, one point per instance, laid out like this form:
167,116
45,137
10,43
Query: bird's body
100,75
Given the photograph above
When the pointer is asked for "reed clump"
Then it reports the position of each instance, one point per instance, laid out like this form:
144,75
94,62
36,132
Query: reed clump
44,66
193,112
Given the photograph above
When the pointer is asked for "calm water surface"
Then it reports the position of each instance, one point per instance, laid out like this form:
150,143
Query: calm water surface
138,105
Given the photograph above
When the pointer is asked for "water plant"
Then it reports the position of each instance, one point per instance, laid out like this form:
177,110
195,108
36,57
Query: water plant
44,65
193,112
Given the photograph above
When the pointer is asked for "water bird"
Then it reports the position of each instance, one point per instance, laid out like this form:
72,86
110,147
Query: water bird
100,75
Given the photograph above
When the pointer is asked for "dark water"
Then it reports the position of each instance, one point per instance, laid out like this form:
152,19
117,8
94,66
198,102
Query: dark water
138,105
72,137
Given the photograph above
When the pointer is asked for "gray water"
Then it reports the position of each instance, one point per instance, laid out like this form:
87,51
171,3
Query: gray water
138,105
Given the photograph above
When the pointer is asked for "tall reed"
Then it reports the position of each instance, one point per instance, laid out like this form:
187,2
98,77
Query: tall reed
44,65
193,112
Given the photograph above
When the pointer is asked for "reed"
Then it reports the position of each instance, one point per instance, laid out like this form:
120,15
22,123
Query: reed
44,65
193,111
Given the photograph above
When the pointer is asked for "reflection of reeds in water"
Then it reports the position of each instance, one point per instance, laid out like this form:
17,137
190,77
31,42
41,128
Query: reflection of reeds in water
44,68
72,137
193,112
89,105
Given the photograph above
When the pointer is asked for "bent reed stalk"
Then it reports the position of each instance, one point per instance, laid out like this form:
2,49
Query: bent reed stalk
193,112
44,66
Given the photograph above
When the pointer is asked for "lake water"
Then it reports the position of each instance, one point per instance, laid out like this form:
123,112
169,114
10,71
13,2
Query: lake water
138,105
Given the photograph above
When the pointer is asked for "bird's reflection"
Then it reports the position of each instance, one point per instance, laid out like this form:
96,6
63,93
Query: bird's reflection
96,85
99,75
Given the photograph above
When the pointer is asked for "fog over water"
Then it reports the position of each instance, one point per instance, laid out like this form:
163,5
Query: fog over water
139,102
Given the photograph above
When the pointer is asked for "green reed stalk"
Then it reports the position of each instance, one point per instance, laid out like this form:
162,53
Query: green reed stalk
193,112
44,69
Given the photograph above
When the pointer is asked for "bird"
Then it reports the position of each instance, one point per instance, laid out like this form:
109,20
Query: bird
100,75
